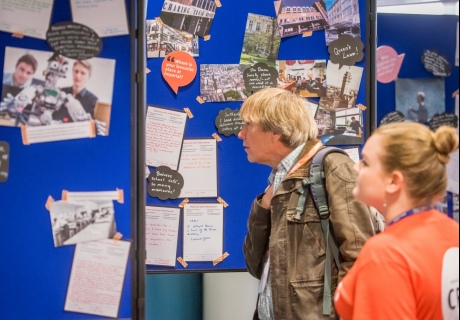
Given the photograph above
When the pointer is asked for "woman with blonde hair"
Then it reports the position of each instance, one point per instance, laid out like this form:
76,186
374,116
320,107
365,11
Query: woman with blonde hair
411,270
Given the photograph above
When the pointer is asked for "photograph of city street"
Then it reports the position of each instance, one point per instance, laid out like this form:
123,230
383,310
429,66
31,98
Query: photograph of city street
74,223
299,16
261,40
192,16
162,40
343,18
222,82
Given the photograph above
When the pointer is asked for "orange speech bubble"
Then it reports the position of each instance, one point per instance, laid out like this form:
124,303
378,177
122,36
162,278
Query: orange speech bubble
178,69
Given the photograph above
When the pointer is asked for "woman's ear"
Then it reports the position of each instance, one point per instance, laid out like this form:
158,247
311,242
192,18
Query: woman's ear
395,182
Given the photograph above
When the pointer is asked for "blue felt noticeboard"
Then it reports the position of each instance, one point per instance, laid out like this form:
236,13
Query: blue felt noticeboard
34,275
412,35
238,180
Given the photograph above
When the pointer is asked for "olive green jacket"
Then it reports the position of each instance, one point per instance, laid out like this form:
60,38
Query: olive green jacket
297,247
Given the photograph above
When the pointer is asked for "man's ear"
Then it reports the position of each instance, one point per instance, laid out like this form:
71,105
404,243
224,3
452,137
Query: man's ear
395,183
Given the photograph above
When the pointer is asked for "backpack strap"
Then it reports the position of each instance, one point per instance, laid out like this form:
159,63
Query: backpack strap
318,191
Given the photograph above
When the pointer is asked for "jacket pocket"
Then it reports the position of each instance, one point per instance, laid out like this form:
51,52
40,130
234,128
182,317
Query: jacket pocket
307,299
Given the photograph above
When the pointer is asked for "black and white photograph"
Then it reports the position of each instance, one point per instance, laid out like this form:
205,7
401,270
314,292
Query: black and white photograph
74,223
342,87
162,40
192,16
41,88
305,77
299,16
261,40
223,82
342,127
420,99
343,18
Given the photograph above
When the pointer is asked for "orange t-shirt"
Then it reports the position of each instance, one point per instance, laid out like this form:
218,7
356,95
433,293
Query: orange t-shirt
405,272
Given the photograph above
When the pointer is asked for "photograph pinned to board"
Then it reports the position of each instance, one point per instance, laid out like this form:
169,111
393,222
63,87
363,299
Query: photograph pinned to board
162,39
313,107
164,134
198,166
223,82
261,40
420,99
29,18
342,20
203,231
78,222
107,17
342,87
42,89
4,160
299,16
161,235
177,15
340,127
97,277
305,77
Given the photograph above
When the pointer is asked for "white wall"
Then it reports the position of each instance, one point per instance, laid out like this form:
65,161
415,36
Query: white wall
229,296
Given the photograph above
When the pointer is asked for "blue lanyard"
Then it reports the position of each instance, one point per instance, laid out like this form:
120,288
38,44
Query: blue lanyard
413,211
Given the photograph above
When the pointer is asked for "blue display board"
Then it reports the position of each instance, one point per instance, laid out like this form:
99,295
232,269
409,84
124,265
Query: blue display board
412,35
34,275
238,180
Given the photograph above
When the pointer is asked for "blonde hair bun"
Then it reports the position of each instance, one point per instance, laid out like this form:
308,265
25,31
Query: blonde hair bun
445,141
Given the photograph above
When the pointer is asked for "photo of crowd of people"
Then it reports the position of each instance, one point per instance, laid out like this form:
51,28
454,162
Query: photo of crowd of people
74,223
305,77
42,88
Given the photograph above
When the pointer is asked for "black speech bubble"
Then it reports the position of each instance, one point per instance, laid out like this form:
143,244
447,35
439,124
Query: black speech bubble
443,119
228,122
165,183
4,160
74,40
395,116
436,63
260,76
346,50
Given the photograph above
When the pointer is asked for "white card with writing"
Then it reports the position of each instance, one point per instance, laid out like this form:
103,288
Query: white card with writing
164,134
203,231
106,17
161,233
198,166
30,17
97,276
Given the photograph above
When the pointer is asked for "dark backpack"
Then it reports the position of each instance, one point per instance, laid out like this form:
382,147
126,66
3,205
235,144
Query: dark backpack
317,185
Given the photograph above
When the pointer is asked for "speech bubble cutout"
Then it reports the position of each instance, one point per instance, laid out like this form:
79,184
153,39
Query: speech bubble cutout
74,40
395,116
4,160
165,183
260,76
228,122
443,119
436,63
346,50
178,69
388,64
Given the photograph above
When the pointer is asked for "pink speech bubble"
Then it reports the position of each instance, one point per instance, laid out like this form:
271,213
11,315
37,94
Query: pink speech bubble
178,69
388,64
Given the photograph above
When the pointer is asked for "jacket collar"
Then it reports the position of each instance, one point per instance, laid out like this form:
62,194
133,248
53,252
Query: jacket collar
304,170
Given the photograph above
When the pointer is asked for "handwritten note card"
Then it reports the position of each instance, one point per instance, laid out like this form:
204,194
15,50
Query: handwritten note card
30,17
97,276
106,17
203,231
198,166
161,232
164,134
